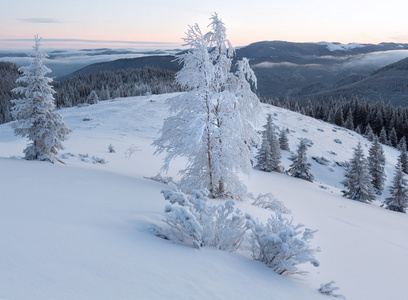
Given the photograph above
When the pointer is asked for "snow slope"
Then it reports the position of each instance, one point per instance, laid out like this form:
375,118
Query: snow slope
81,230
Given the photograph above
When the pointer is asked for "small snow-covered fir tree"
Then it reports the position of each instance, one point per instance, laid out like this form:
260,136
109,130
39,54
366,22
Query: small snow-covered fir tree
35,113
93,98
376,165
212,124
283,141
368,133
300,168
383,137
358,181
269,153
398,201
403,157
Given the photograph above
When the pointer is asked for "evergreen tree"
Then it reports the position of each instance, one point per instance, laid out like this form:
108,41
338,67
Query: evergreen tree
349,124
264,157
393,138
213,122
399,192
93,98
358,180
403,157
300,168
283,141
376,164
35,112
269,155
383,137
369,134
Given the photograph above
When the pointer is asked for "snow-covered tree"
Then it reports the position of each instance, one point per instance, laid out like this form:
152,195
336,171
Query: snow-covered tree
93,98
269,153
300,168
368,133
35,113
383,137
212,124
376,165
403,157
399,192
283,141
358,180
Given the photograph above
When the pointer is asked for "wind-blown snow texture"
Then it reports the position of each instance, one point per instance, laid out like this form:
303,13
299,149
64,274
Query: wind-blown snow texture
81,231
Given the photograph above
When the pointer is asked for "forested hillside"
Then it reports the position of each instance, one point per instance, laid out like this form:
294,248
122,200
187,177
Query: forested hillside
107,84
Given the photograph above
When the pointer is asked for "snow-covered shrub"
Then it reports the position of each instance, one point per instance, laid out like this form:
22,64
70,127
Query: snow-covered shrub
281,245
162,179
111,148
328,289
337,141
132,149
191,219
98,160
269,201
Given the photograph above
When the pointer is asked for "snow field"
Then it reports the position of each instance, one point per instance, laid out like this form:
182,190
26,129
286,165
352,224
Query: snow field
81,230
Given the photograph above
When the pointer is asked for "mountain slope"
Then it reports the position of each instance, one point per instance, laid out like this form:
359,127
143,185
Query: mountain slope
388,83
81,230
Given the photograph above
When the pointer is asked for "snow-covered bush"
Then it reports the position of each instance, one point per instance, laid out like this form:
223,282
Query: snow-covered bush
111,148
329,288
191,219
281,245
269,201
162,179
129,151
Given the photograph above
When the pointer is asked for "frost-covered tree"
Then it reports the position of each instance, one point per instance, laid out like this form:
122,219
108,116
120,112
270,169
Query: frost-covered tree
300,168
35,113
368,133
284,141
376,165
403,157
383,137
398,191
212,124
269,153
93,98
358,180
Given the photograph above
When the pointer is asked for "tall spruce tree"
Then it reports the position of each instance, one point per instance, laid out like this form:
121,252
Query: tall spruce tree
35,113
358,180
213,122
269,154
403,157
398,201
300,168
376,165
383,137
284,141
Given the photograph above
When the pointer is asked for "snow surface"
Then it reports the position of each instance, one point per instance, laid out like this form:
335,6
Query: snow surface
82,230
340,47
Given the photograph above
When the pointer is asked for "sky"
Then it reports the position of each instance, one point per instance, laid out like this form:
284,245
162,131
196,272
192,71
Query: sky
161,24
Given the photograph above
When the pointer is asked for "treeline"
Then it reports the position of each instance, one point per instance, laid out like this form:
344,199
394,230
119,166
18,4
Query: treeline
387,122
114,84
8,75
107,85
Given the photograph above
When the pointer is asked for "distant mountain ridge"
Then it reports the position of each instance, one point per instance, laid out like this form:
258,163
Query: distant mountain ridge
300,70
